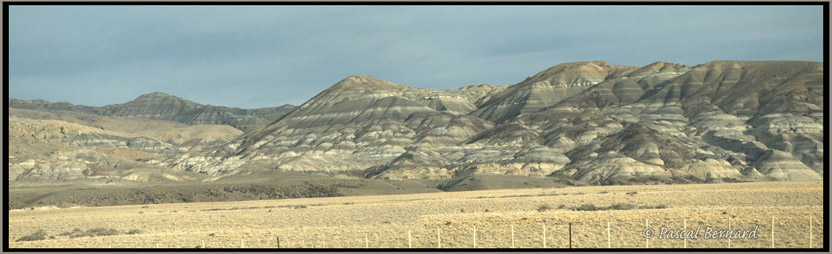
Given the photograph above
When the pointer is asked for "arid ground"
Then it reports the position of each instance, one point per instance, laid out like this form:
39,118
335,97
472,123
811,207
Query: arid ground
447,218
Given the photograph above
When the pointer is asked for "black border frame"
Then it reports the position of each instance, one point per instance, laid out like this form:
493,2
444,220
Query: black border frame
6,5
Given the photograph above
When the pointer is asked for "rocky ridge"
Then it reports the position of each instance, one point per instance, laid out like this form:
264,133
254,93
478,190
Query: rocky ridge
589,122
161,106
63,146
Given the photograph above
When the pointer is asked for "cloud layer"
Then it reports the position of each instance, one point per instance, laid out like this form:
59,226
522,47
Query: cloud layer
261,56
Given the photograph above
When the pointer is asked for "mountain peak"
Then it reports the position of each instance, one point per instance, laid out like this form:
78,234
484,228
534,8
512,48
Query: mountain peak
593,63
359,77
155,94
157,98
575,68
588,62
366,82
659,67
660,64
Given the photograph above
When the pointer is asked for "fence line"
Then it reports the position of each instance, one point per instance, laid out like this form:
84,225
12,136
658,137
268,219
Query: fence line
592,232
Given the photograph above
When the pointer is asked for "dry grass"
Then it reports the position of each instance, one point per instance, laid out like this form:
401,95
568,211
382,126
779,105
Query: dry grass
343,222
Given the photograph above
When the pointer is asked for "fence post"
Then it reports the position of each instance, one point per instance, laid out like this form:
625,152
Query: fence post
772,231
278,242
409,243
203,244
646,240
512,235
810,231
475,236
366,241
323,240
439,237
544,235
570,235
242,243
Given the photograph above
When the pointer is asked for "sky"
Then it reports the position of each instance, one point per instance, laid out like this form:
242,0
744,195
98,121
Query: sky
265,56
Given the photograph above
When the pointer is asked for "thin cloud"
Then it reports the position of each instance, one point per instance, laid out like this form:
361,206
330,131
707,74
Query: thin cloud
260,56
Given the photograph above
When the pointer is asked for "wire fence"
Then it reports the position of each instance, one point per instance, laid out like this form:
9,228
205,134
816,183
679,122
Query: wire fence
727,232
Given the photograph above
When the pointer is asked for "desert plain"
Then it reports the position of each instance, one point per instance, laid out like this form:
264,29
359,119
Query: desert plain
488,219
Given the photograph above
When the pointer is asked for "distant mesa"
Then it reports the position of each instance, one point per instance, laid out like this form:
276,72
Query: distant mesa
162,106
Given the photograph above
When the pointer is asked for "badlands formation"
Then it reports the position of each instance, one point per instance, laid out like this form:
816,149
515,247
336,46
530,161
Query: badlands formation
575,123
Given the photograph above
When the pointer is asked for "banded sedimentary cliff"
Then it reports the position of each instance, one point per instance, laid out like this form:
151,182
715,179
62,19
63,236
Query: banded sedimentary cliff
590,122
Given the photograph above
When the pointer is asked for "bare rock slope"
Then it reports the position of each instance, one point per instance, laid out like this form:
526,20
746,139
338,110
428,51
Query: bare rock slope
582,122
55,147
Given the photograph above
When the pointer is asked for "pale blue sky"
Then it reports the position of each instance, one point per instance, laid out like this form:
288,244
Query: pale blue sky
261,56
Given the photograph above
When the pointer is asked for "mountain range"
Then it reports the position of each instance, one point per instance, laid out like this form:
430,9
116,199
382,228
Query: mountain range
578,123
161,106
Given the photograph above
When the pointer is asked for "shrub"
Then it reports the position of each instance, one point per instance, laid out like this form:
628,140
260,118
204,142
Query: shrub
74,231
134,231
587,207
659,206
96,232
36,236
632,193
543,207
619,206
622,206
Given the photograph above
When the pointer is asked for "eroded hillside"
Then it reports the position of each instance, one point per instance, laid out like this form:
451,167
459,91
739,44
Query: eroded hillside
576,123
